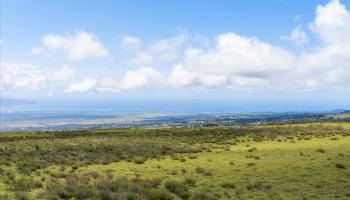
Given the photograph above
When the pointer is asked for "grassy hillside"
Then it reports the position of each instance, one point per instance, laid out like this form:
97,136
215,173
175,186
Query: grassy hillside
301,161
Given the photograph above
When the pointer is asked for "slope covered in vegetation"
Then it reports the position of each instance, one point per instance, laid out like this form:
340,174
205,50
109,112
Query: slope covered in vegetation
300,161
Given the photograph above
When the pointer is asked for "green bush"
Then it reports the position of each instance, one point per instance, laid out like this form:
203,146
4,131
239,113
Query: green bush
202,196
159,194
190,181
200,170
139,159
320,150
340,166
22,196
228,185
258,186
177,188
252,149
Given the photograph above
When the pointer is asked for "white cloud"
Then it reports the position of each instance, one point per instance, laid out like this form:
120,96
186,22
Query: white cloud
240,62
36,51
18,77
141,78
62,75
141,58
329,65
297,36
234,59
247,63
81,45
332,23
144,77
108,85
169,44
160,51
167,49
86,85
21,76
180,77
130,42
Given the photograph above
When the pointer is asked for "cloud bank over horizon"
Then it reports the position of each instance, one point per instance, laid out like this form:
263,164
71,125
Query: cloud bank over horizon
229,61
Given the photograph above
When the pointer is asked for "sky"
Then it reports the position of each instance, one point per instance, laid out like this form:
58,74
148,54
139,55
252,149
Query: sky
246,50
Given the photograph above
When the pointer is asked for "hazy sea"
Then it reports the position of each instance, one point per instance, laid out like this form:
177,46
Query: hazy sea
77,114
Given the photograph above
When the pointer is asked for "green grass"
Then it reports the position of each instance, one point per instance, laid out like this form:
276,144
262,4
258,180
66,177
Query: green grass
299,161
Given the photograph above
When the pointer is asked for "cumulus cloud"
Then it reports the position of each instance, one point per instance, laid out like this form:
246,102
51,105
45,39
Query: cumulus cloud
27,77
332,23
241,62
81,45
297,36
63,74
231,61
328,66
160,51
130,42
21,76
141,78
108,84
86,85
235,60
141,58
248,63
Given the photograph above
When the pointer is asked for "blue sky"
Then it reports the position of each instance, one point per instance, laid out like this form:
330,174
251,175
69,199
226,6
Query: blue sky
246,50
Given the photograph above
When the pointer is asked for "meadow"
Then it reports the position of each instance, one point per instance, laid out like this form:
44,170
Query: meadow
290,161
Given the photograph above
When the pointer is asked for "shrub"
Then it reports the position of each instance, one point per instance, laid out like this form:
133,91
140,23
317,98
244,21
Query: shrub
175,157
105,195
340,166
155,182
22,196
132,196
190,181
200,170
174,173
256,157
202,196
258,186
252,149
24,184
159,194
177,188
37,184
250,164
139,160
208,173
75,167
320,150
228,185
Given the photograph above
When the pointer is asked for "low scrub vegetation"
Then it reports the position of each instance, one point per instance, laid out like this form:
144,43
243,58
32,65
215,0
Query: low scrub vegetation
247,162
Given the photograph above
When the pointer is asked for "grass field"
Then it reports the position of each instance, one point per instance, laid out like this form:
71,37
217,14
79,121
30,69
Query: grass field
299,161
